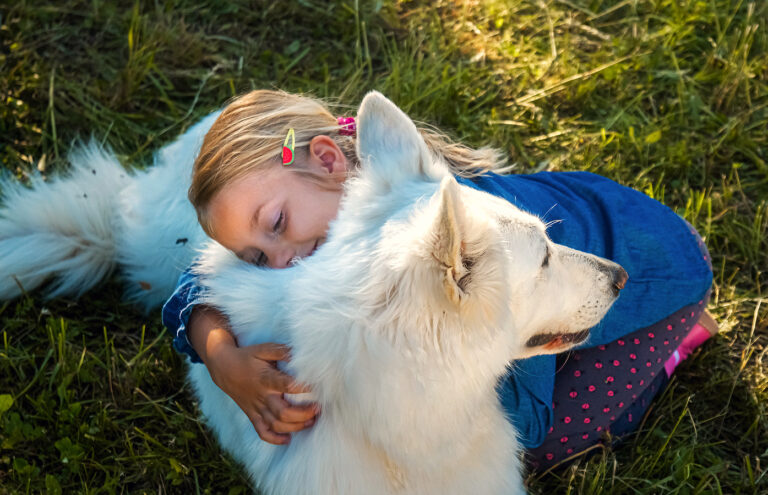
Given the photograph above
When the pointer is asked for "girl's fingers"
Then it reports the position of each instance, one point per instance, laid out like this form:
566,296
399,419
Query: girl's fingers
274,379
281,427
284,412
270,352
266,434
270,377
294,387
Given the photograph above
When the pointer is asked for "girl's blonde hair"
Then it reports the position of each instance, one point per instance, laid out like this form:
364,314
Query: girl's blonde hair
249,134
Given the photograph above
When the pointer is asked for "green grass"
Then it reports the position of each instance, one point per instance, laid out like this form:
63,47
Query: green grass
667,96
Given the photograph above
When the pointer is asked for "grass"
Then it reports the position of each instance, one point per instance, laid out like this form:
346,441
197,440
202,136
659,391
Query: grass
667,96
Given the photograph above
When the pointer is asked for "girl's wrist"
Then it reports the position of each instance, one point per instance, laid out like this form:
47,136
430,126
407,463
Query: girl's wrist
220,359
219,346
207,332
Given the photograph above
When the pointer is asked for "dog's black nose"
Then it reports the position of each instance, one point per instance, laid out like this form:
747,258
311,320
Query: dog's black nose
620,278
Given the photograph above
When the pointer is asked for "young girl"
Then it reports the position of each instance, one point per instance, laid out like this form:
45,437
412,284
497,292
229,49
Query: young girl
271,209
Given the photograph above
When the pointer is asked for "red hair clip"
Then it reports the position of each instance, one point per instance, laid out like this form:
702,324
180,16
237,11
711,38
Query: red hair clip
288,147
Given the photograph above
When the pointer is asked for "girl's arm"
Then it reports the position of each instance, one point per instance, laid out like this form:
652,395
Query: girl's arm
248,375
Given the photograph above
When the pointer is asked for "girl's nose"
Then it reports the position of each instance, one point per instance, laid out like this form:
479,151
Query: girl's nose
281,258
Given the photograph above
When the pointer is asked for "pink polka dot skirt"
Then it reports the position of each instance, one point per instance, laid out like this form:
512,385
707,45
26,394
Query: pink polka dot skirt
605,390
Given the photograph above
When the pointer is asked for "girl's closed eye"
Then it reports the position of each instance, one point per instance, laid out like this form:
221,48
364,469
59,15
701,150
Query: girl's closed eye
279,225
252,258
260,260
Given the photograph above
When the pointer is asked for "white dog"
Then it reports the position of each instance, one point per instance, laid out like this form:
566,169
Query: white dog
401,322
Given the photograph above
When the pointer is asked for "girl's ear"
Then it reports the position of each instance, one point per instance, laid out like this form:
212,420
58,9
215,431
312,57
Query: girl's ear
325,155
389,145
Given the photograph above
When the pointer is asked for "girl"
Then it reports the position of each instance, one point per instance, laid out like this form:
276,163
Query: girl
269,214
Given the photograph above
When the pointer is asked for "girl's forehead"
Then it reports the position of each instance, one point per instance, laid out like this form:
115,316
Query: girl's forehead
264,181
244,192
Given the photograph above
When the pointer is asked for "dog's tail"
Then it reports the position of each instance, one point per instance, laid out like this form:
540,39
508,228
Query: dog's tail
61,229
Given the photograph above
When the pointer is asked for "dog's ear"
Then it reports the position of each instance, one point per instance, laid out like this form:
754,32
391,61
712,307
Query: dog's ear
448,240
389,145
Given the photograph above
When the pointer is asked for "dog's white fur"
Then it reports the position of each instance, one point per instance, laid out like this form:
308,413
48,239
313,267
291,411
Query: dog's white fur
77,228
401,322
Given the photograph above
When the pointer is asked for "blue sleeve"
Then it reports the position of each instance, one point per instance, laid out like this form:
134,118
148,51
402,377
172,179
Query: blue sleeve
176,311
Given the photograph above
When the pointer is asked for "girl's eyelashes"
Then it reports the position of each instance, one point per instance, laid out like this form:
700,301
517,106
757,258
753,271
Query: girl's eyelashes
279,225
258,258
261,260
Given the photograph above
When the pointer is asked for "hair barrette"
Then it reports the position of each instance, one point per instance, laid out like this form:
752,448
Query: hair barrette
288,147
348,126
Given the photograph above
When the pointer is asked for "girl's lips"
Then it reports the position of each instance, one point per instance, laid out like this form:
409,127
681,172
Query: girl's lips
314,248
303,256
318,243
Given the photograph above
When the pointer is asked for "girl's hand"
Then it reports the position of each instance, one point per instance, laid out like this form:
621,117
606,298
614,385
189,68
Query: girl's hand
249,375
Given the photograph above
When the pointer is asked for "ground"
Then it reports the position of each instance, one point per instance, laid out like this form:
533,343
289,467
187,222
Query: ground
666,96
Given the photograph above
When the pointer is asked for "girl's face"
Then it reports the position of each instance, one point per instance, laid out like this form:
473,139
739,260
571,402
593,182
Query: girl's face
271,217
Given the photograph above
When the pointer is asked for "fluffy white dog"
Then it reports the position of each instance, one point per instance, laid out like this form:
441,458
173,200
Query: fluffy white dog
422,295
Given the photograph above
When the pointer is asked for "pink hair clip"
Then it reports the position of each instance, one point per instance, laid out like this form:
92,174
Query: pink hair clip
348,126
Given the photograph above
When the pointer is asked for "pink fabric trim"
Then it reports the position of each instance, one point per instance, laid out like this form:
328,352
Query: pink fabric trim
697,336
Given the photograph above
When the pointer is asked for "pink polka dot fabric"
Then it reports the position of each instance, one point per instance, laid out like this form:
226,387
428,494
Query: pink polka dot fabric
603,392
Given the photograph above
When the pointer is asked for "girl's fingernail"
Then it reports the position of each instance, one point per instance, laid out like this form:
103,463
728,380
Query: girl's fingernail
309,423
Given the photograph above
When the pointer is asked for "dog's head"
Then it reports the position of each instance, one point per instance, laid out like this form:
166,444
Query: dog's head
449,259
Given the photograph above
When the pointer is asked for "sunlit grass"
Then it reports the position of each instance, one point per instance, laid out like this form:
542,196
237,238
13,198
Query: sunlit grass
666,96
